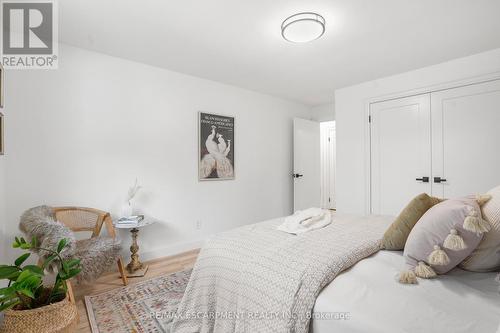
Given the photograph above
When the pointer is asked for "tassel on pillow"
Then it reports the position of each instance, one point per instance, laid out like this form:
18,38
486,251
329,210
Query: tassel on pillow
424,271
482,199
438,257
475,223
454,242
407,277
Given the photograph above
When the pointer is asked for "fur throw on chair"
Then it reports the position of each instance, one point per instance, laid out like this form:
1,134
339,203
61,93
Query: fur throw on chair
96,254
40,222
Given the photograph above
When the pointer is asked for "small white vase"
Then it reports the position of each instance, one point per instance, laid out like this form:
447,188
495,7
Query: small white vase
127,209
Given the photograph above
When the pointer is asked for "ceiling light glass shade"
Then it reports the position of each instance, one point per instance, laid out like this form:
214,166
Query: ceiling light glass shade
303,27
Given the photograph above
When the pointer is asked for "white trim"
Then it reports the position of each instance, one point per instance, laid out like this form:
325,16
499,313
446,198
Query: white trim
172,250
413,92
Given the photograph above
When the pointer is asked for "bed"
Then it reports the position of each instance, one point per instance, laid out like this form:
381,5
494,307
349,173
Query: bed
366,298
258,279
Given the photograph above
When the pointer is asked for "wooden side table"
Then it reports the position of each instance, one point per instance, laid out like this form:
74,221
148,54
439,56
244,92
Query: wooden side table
135,268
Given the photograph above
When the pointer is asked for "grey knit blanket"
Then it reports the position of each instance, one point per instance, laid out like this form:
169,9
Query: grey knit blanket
258,279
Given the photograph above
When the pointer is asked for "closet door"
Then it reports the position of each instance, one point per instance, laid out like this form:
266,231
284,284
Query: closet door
400,152
466,139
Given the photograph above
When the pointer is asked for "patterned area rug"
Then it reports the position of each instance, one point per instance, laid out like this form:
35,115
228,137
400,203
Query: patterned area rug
143,307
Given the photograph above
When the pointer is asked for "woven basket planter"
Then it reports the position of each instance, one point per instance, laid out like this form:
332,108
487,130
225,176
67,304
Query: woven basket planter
60,317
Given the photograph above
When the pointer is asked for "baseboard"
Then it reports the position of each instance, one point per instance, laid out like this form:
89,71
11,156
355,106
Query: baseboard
172,250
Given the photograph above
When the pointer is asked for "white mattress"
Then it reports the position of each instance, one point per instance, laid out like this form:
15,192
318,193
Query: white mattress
372,301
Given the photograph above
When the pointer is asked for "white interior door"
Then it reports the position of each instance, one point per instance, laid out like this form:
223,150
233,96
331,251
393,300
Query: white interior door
306,164
400,152
328,156
466,139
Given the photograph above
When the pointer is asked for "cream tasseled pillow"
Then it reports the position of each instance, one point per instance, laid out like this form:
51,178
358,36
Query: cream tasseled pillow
486,257
446,235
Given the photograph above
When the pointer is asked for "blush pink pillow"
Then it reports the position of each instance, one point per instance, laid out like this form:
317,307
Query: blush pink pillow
443,237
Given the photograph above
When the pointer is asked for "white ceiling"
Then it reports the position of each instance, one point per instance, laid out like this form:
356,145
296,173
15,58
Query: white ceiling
238,42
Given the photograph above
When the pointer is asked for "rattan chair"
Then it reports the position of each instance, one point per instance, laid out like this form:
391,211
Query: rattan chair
80,219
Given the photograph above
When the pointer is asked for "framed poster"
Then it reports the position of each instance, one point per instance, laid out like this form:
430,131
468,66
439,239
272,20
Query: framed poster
215,147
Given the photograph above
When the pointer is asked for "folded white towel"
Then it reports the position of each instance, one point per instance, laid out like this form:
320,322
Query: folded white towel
306,220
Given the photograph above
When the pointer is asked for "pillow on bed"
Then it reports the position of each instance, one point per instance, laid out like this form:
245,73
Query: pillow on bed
395,237
443,237
486,257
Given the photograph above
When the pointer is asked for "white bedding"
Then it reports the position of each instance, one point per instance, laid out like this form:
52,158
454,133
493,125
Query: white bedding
371,299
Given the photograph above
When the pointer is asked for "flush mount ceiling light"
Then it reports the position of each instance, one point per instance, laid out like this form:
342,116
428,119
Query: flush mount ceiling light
303,27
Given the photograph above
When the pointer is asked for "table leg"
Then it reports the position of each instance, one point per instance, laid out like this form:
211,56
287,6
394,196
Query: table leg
135,268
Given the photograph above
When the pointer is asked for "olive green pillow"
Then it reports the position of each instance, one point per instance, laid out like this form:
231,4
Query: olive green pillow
395,237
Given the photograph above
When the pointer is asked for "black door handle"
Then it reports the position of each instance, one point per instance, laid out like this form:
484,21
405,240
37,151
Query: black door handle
439,180
423,179
297,175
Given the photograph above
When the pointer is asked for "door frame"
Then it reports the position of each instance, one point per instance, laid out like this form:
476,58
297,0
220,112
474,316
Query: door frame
409,93
327,171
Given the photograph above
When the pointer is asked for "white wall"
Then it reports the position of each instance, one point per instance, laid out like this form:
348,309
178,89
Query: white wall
81,134
3,201
351,105
324,112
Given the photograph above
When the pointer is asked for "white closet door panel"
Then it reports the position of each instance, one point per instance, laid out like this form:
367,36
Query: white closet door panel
400,152
466,139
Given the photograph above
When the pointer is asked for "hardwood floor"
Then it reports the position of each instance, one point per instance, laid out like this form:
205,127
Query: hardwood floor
112,280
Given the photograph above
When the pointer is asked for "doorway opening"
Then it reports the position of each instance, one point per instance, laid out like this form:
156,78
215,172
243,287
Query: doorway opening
327,164
314,164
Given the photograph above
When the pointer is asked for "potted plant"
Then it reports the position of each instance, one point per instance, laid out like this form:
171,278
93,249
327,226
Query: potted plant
31,306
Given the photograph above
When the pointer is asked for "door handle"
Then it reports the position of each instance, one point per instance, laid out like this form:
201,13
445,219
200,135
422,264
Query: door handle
439,180
423,179
297,175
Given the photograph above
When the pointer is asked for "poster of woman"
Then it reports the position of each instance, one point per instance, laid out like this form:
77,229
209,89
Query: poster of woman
216,147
